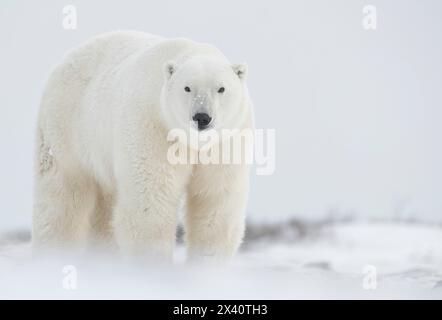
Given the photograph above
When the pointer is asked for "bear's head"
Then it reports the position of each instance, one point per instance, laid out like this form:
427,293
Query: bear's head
204,93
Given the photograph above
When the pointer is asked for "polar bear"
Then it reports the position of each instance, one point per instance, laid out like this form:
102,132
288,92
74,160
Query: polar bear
101,171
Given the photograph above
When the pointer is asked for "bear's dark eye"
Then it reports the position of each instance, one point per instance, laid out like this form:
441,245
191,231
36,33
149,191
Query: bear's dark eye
187,89
221,90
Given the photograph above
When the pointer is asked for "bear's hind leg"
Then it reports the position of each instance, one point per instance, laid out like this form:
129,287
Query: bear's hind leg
62,205
101,233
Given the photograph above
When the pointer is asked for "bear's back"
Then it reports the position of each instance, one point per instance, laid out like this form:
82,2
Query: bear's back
109,49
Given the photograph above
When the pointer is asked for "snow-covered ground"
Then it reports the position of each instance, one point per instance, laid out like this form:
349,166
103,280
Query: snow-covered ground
331,260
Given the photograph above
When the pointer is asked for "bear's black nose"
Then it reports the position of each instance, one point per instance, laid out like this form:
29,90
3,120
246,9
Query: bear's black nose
203,120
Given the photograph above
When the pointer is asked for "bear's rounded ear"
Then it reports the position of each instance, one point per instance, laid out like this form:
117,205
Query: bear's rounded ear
169,69
241,70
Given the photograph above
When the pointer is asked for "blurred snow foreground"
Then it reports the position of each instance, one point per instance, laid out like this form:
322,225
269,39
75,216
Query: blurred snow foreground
291,260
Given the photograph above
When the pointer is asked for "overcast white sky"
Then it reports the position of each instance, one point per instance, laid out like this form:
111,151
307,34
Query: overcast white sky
357,113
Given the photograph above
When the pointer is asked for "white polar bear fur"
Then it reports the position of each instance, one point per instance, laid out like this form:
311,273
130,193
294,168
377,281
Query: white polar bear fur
101,172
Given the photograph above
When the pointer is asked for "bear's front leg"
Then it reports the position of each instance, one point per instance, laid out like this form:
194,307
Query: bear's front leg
216,204
145,222
145,215
145,233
